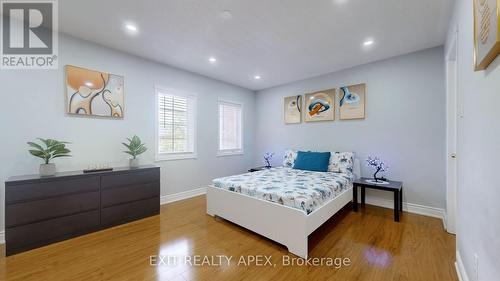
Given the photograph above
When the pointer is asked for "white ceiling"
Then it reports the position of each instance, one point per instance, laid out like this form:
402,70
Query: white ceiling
282,41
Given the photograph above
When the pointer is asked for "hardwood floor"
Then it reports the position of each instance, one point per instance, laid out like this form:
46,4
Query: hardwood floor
417,248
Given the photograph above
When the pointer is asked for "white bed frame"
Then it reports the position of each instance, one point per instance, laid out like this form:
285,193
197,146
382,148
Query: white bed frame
283,224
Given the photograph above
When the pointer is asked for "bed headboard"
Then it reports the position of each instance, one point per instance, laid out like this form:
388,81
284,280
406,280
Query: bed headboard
357,169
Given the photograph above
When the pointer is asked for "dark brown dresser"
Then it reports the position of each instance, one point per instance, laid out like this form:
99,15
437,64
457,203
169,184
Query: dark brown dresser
43,210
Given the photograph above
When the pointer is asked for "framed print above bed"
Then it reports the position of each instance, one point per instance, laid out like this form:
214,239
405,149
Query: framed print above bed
94,93
293,109
486,32
320,106
352,102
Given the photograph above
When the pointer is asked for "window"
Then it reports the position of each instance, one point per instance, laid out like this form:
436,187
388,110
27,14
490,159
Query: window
230,128
175,125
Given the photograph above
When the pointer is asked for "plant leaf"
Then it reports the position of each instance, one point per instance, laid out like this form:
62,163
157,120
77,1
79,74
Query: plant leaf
44,141
38,153
60,155
136,140
141,149
35,145
62,151
129,152
56,147
51,143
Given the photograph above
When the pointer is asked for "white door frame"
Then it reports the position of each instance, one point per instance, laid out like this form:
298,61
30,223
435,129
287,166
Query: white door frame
452,113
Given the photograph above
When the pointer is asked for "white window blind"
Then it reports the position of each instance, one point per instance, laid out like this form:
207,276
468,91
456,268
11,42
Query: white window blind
230,128
176,125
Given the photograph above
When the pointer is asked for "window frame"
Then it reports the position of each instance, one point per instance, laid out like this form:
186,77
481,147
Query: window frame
230,152
168,156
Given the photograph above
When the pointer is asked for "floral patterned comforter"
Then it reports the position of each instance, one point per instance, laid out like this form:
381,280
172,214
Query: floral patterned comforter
303,190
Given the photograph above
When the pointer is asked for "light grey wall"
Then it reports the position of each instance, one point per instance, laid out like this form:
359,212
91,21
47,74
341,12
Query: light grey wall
478,192
32,105
404,124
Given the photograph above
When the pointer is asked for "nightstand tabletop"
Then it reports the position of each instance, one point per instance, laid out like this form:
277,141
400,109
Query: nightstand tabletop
390,185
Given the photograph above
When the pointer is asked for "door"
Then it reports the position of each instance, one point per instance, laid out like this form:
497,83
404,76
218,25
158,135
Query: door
452,112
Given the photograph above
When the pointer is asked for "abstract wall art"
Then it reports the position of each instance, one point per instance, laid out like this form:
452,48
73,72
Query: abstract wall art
293,109
486,32
94,93
320,106
352,102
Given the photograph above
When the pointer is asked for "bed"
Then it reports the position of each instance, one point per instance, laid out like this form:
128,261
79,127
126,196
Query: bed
284,204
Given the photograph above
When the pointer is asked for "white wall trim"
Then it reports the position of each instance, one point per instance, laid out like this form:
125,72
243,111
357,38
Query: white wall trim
445,222
169,198
408,207
459,266
2,237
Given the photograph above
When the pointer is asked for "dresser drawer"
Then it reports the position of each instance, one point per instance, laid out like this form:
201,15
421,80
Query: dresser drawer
135,178
30,235
34,211
39,190
130,211
129,193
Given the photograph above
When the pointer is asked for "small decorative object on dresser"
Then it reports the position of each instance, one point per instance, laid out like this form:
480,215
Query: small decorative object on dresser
268,156
135,147
48,150
97,168
256,169
378,167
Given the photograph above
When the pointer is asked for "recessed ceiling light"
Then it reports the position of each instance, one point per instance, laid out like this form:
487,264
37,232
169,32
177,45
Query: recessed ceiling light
226,14
212,59
368,42
131,27
340,2
257,77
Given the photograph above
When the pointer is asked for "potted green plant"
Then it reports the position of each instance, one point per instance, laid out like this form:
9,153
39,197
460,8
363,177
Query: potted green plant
48,150
135,147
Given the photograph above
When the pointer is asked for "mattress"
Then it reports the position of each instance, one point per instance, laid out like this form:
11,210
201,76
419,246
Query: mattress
302,190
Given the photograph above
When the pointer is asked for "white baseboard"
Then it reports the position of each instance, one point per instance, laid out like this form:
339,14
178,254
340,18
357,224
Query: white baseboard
2,237
408,207
182,195
445,221
381,202
459,266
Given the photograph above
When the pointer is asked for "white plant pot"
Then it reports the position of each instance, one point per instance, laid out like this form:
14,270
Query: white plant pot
47,170
134,163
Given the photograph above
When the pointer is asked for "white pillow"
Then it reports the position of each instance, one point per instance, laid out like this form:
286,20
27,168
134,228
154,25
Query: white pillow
289,158
341,162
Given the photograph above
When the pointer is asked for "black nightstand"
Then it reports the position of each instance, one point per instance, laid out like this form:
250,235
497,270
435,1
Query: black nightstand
395,186
257,169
